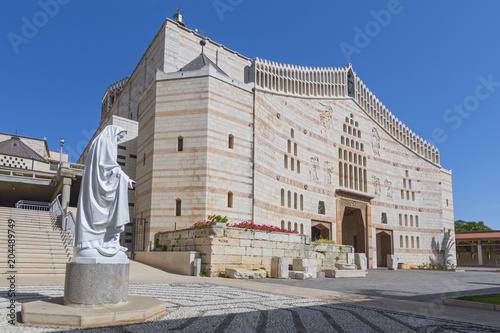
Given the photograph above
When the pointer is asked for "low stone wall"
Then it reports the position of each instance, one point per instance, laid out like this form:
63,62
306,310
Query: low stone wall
175,262
222,247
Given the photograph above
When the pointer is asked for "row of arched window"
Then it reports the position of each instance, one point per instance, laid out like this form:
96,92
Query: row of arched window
410,242
294,164
408,222
352,131
352,143
408,195
353,177
286,200
295,226
352,158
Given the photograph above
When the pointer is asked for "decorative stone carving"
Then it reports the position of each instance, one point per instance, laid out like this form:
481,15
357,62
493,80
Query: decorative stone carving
361,261
326,118
376,183
103,202
279,268
392,261
329,168
375,142
388,185
313,173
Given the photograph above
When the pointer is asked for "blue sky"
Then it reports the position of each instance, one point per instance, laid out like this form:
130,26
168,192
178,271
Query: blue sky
435,65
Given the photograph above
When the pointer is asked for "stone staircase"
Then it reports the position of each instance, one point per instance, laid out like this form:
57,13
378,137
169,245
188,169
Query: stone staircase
41,246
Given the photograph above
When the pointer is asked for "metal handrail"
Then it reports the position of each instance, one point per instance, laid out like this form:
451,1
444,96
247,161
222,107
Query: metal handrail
33,205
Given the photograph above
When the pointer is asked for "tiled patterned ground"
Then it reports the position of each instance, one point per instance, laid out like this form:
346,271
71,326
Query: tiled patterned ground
214,308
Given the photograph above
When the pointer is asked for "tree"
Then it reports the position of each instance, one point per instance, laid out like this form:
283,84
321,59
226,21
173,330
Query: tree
464,226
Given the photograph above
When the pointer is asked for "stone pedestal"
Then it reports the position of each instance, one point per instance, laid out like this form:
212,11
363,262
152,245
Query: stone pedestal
95,294
95,284
279,268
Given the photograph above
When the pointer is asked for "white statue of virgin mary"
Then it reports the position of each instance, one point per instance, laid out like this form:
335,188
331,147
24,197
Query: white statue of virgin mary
103,202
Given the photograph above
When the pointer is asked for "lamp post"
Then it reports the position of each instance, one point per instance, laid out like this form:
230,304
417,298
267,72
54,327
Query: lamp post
61,140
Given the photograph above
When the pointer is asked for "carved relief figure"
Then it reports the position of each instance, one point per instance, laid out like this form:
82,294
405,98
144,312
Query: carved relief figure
388,185
329,168
375,142
376,183
326,118
313,173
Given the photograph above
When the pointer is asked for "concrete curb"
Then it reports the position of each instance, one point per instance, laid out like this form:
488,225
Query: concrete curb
468,304
439,270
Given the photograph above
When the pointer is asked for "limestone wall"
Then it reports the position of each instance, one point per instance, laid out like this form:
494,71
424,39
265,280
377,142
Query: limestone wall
222,247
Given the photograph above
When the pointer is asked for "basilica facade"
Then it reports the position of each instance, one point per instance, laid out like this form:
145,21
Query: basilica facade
311,149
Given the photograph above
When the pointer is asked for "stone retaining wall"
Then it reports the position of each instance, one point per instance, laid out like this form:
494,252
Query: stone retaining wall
222,247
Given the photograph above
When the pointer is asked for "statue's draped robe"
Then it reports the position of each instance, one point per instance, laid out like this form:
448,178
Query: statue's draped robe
103,202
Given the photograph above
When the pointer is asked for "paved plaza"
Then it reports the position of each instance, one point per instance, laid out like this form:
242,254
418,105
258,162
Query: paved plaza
402,302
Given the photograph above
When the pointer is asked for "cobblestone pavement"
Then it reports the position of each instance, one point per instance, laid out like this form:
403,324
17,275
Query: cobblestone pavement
202,307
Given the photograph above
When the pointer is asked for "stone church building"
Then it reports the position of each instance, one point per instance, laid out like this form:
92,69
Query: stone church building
305,148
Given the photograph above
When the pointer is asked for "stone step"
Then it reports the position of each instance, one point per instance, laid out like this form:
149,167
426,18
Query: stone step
34,237
41,258
20,265
33,234
38,270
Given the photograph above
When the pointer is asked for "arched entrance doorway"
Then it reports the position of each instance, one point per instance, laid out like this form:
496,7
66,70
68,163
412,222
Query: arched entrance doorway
384,246
354,222
353,230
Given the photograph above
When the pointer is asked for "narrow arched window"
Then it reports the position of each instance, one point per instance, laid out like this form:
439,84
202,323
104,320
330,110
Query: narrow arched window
230,199
292,164
302,228
413,196
282,197
289,199
411,220
178,207
418,242
416,221
295,201
180,143
406,220
412,242
401,242
292,133
402,194
400,219
282,224
289,225
289,147
231,141
285,162
341,174
407,242
295,226
295,149
298,166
